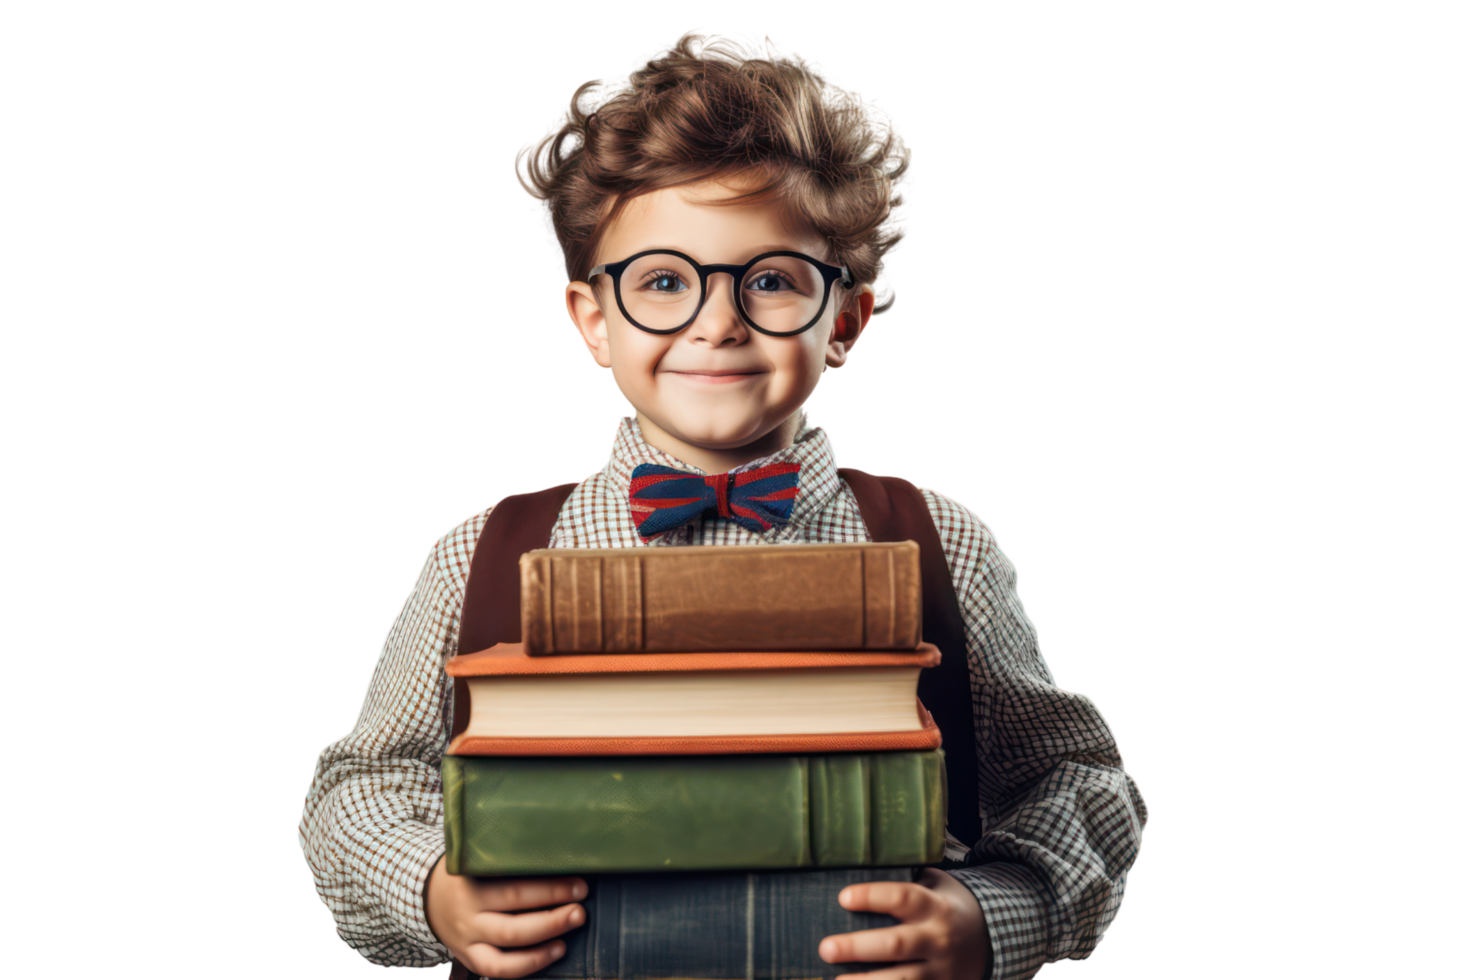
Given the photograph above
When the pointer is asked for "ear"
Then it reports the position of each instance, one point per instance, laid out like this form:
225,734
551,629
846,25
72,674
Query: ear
849,323
586,313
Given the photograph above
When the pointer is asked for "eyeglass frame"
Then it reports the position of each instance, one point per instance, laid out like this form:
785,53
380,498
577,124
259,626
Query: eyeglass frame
830,274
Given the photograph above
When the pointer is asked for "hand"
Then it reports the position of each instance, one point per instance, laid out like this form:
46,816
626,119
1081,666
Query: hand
469,915
941,930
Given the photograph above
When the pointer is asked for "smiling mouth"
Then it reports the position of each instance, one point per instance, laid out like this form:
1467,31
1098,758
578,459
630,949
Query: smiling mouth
716,377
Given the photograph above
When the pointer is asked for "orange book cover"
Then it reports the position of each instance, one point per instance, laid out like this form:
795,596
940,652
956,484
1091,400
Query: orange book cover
509,659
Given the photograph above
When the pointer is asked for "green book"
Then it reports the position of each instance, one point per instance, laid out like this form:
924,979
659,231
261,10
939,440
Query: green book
587,814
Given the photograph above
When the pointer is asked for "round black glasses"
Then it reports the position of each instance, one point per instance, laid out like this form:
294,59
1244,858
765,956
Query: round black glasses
779,294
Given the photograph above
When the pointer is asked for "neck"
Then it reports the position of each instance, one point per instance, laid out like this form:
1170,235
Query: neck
719,460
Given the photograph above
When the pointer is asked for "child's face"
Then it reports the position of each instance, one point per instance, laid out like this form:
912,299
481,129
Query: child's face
716,385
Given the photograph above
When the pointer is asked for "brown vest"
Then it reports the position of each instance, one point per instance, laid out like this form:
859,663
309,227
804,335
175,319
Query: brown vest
892,509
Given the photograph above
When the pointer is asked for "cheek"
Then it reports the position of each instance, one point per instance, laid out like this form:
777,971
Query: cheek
817,357
633,366
635,353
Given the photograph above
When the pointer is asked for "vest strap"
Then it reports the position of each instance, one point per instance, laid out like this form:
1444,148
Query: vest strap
491,612
894,510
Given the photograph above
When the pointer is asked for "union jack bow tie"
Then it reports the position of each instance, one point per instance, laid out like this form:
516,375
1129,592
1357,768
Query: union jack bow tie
664,498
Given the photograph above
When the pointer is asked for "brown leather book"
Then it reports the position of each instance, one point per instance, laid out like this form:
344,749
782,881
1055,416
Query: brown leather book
691,703
793,597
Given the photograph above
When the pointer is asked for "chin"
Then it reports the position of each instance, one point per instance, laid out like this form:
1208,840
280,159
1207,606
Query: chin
722,434
720,441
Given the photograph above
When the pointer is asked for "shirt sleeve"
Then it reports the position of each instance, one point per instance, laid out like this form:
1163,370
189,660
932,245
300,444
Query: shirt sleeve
1062,820
372,828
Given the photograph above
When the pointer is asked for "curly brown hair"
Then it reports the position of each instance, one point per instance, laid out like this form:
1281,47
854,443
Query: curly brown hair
710,111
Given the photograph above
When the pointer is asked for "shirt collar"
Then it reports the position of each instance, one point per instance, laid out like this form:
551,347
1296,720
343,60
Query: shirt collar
818,480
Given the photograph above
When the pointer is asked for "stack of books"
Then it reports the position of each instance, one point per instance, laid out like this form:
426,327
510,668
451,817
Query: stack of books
749,714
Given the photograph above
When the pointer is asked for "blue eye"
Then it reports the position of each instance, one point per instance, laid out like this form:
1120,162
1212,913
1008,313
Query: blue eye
767,282
664,281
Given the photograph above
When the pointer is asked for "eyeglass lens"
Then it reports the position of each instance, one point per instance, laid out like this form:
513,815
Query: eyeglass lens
780,293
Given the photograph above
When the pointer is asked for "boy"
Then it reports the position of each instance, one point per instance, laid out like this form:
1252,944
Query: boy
723,221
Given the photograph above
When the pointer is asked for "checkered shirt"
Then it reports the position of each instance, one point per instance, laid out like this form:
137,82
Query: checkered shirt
1062,820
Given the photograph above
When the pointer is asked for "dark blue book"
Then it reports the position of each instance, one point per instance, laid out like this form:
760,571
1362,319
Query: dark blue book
716,925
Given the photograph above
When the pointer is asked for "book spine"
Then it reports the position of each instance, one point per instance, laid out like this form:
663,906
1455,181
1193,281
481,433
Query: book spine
905,793
892,598
841,810
580,604
684,601
571,815
452,773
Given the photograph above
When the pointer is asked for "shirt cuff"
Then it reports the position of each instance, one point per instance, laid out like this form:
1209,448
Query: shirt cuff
395,875
423,847
1015,905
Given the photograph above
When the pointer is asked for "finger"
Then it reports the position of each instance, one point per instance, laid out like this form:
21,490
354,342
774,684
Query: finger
903,900
527,928
488,961
888,945
513,894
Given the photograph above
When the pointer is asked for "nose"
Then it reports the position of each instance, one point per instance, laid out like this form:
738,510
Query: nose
719,323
